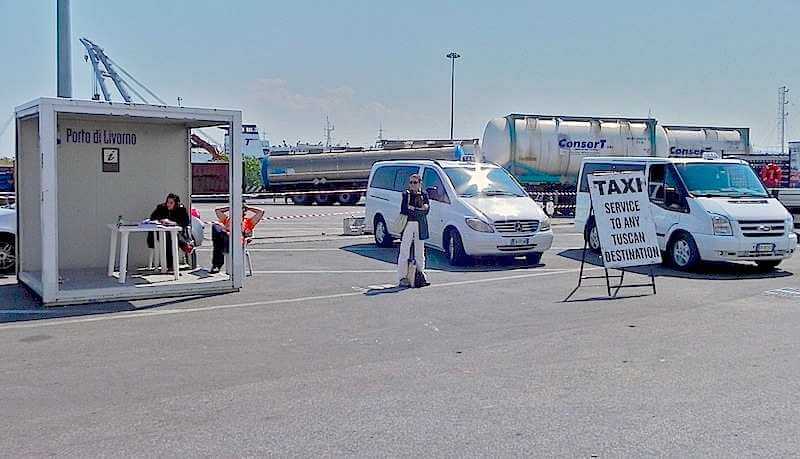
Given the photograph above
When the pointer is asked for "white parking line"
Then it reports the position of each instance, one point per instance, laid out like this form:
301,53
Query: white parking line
362,271
167,312
288,249
328,271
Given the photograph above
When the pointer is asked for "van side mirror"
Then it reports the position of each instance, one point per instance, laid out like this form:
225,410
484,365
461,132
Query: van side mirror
672,197
433,192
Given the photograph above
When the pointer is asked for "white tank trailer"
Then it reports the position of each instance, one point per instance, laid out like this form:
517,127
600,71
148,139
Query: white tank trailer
544,149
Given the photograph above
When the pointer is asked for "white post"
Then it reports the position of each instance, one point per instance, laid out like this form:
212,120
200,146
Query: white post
64,49
235,192
49,201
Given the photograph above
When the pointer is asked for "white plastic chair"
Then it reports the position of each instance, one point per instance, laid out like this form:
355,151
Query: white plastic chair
247,258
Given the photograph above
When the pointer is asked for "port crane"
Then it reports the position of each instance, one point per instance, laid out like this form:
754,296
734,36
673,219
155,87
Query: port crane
105,68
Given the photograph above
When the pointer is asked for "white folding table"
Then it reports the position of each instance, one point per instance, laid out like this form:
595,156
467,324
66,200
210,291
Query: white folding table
124,231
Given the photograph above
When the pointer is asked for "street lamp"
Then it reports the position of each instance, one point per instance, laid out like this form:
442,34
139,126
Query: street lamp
452,56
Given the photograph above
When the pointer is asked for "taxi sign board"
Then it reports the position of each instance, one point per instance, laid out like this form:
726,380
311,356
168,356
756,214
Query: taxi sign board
624,222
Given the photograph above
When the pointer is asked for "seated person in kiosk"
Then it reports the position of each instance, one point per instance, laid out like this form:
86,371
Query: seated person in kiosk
172,213
221,229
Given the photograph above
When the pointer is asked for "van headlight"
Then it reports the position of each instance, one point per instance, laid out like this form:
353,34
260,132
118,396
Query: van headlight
722,226
479,225
545,225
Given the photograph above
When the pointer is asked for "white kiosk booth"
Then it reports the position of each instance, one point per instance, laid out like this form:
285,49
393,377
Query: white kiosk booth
81,165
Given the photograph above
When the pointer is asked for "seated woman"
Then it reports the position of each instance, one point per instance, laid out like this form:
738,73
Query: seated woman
221,230
171,212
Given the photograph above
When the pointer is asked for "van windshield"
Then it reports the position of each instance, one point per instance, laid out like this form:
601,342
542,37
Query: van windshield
721,179
486,181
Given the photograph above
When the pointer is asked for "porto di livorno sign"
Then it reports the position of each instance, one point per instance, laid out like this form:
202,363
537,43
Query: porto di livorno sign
623,218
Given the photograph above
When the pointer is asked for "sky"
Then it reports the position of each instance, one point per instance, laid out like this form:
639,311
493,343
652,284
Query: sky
366,64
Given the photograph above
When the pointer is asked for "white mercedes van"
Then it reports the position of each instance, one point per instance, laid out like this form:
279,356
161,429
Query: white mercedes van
476,209
704,209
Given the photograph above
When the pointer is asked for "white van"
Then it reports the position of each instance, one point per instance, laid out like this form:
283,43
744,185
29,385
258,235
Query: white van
704,209
476,209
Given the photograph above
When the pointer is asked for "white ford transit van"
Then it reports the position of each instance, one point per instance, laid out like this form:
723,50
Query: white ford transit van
704,209
476,209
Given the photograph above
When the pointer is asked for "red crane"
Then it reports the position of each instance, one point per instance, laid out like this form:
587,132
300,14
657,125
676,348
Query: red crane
216,155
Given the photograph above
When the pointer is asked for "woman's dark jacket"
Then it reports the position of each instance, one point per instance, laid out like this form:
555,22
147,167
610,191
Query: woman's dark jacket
414,215
179,215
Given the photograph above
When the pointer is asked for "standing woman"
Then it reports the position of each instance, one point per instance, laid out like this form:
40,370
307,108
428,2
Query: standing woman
415,207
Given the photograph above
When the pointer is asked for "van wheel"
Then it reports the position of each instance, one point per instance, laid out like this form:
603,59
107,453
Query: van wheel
592,237
382,236
533,258
455,249
683,253
8,256
768,265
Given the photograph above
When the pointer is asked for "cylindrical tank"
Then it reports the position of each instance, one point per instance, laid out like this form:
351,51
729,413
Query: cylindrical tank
328,168
542,149
692,141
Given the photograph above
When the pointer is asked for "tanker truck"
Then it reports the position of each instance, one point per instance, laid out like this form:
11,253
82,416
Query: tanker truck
325,177
545,152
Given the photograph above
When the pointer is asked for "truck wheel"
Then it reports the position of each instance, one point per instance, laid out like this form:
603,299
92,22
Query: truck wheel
324,199
768,265
348,199
8,254
592,237
301,199
382,236
455,249
534,258
683,253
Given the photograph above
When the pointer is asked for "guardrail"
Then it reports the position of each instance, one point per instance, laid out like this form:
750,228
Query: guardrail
556,203
274,195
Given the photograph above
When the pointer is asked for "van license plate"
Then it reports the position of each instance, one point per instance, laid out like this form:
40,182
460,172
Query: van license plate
765,247
520,241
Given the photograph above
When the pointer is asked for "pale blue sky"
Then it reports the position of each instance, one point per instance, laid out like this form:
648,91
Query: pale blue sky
288,64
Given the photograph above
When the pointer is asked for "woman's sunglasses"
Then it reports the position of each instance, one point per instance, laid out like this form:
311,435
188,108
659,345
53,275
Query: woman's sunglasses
413,182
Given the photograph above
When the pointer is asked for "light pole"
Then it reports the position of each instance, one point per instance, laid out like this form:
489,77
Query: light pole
63,50
452,56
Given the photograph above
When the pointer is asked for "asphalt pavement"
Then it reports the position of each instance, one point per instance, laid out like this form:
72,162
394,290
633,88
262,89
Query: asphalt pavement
320,356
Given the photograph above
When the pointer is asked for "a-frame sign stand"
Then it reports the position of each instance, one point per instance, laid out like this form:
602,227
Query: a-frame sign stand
608,276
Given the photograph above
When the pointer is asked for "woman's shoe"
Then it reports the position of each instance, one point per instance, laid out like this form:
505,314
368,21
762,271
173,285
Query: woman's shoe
404,283
214,270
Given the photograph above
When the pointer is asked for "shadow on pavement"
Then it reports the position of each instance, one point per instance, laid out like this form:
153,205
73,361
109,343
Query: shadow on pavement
18,304
705,271
385,290
606,298
436,260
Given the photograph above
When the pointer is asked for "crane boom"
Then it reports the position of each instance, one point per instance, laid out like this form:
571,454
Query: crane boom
199,142
104,67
